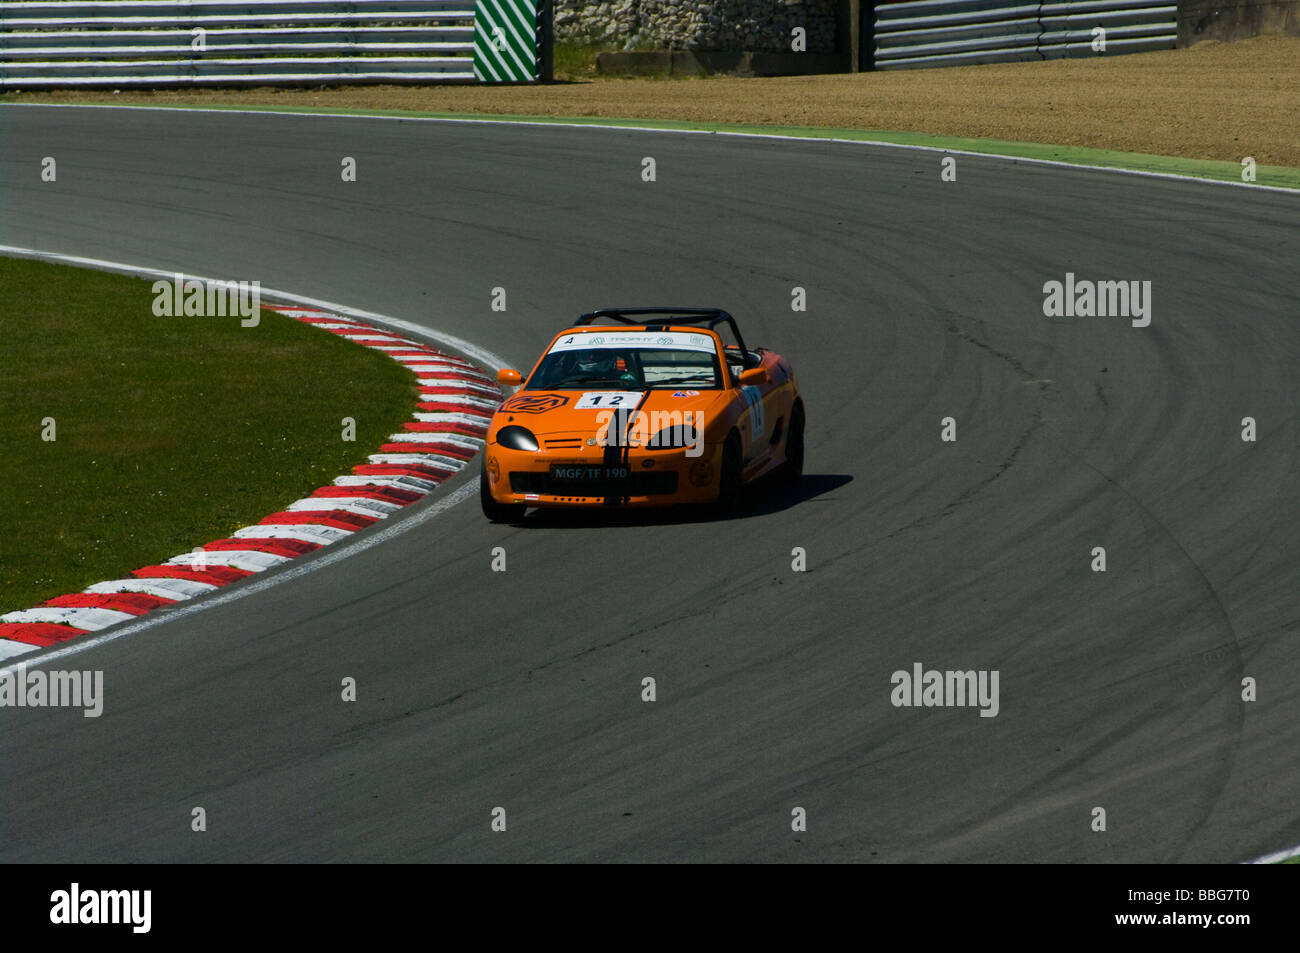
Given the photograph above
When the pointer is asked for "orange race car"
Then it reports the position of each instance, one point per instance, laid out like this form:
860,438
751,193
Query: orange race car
642,407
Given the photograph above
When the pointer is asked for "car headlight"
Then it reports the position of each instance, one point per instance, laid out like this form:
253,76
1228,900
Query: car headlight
517,438
672,438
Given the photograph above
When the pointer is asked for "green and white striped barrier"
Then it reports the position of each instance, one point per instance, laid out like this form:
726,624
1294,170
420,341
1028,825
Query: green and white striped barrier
507,41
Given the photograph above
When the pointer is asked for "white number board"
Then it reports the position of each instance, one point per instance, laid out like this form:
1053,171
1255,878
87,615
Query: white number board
611,399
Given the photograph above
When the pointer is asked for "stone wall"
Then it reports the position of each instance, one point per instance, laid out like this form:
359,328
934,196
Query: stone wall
1234,19
730,25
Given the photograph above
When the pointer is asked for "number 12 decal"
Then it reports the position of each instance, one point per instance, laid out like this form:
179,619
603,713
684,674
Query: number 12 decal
609,398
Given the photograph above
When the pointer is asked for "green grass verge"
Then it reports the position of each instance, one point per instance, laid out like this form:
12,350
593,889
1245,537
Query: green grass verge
1272,175
169,432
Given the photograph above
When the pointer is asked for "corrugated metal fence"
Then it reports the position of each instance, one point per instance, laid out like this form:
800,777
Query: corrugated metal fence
955,32
82,43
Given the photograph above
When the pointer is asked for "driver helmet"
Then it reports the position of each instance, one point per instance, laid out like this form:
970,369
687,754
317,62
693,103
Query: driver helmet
595,362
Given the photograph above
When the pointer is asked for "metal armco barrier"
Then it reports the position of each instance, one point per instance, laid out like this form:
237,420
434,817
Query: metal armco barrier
137,43
957,32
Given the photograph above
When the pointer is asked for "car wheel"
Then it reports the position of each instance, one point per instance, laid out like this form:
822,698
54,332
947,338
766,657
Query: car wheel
792,469
729,475
494,511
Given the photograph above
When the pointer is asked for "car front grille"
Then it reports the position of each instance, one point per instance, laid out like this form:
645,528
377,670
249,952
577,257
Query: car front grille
638,484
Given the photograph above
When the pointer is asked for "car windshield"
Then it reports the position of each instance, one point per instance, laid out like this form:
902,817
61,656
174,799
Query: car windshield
643,360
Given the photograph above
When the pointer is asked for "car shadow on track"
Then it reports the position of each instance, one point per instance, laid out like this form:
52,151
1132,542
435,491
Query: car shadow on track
761,499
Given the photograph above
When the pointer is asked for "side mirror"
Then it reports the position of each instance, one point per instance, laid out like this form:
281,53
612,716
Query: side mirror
753,377
509,377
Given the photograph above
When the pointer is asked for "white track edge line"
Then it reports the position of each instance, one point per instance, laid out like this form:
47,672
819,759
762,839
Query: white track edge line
1172,176
1277,858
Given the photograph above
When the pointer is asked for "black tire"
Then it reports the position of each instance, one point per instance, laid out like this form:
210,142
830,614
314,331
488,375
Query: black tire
792,469
494,511
729,475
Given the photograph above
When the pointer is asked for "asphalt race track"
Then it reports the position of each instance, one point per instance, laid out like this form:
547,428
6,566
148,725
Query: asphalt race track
522,689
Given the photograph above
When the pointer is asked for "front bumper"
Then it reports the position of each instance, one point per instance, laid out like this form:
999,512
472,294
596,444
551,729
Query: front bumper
654,478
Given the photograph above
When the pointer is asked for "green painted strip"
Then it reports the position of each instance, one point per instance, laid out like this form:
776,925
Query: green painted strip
1276,176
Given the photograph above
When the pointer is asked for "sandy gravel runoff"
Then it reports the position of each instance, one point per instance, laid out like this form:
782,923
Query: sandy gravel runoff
1212,101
